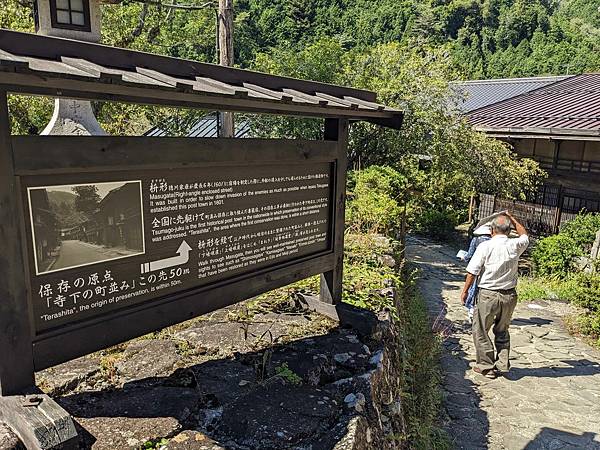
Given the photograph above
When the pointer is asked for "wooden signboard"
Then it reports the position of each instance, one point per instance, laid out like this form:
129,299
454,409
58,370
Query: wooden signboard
110,238
129,236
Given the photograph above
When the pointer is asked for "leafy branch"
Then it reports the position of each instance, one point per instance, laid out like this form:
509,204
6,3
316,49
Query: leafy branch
173,5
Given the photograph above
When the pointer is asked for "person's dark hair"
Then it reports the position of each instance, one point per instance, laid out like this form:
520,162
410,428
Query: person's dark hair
501,225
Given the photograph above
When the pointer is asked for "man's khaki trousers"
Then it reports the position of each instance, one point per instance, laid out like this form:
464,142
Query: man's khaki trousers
493,309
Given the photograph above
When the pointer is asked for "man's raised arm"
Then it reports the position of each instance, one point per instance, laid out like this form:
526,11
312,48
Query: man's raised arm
520,229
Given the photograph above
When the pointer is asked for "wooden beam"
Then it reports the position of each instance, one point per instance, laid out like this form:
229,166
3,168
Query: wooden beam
83,89
39,422
556,154
331,281
77,154
16,357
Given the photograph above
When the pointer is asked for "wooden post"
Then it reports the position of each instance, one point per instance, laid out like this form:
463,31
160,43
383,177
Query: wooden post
471,207
331,282
37,420
556,155
559,208
225,37
16,351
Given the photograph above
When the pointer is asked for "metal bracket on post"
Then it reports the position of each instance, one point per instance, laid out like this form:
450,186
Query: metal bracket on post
331,282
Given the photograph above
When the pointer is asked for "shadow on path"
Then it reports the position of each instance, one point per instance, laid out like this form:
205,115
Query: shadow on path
550,438
531,321
579,368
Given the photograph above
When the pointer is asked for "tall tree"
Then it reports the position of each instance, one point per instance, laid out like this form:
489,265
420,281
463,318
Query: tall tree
86,200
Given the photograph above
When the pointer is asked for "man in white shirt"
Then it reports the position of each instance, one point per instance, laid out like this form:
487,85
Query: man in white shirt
495,263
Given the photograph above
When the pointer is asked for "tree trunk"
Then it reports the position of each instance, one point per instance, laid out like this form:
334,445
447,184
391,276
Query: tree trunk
226,57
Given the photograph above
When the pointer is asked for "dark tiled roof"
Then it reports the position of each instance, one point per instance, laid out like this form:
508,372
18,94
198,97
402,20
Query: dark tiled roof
570,106
62,67
477,94
205,127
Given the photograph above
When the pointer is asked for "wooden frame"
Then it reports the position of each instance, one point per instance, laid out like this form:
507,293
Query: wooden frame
16,365
63,155
56,155
87,26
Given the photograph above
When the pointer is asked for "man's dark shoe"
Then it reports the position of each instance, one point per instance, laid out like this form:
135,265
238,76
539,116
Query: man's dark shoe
500,372
489,373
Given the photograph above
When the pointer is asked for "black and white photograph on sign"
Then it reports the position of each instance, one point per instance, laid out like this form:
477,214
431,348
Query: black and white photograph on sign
81,224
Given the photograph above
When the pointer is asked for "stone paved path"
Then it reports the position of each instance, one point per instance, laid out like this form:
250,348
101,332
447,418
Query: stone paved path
551,398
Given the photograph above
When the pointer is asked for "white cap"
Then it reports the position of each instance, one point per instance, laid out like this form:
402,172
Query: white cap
483,230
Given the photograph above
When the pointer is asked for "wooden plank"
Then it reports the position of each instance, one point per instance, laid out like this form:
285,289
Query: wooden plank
177,83
208,84
335,101
339,101
119,76
54,48
87,337
56,67
331,281
364,103
274,94
65,154
12,60
16,358
306,97
39,422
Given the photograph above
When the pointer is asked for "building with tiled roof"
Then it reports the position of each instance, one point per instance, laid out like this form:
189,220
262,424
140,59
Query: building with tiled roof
557,124
475,94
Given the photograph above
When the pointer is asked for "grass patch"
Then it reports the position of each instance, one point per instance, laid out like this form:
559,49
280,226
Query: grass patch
422,374
581,289
545,288
287,374
155,444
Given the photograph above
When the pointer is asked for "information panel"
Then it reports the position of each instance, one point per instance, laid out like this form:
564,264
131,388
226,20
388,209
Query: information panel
99,242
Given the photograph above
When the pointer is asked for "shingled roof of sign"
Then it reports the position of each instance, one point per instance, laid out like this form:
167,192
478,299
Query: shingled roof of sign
52,66
566,107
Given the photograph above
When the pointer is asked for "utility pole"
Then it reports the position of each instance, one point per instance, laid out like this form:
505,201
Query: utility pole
225,38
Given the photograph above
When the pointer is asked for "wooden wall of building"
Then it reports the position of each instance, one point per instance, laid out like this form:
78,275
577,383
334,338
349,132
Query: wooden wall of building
574,164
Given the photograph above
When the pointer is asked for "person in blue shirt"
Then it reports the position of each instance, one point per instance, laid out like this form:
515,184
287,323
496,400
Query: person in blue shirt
481,234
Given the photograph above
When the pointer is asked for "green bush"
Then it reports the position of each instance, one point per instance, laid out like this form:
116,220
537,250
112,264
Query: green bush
373,199
555,255
535,288
586,291
589,324
586,294
438,224
582,229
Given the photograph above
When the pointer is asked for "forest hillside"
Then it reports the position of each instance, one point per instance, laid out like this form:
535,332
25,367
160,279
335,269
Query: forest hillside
404,50
483,38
